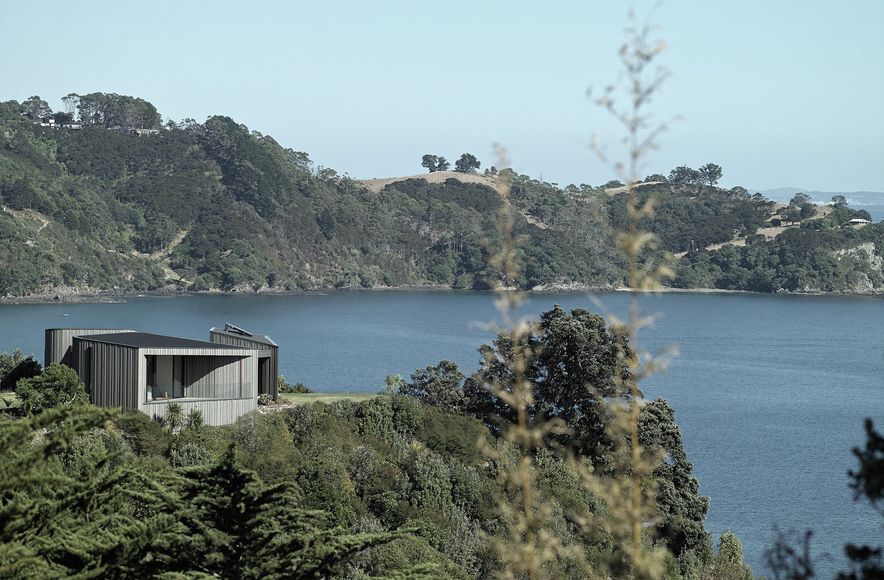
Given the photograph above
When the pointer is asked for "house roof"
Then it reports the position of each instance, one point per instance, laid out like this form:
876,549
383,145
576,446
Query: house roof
236,332
147,340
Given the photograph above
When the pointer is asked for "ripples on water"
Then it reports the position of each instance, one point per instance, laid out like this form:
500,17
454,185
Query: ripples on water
770,391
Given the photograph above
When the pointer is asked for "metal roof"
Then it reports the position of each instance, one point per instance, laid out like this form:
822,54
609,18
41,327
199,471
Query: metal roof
147,340
236,332
101,330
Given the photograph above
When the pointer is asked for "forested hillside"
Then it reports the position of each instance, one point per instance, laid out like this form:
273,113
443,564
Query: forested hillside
215,206
109,201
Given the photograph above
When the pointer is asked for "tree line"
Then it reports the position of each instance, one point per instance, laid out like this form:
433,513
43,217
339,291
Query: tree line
467,163
99,109
251,215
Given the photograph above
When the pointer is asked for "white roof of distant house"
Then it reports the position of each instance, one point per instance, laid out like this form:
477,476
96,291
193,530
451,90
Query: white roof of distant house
860,221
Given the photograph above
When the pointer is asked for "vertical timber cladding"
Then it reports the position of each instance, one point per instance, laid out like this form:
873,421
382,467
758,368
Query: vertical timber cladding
208,370
221,377
60,341
109,371
268,358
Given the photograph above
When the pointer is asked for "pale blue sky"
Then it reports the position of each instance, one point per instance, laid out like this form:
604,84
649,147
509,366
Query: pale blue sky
779,93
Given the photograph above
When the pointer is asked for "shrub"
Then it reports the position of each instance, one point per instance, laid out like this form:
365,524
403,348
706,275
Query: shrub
326,484
16,366
146,436
57,386
430,479
174,417
285,387
189,455
195,420
264,445
452,435
264,399
98,451
300,421
438,385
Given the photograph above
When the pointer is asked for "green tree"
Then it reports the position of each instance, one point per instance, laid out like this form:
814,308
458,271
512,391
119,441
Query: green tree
35,108
799,199
681,508
20,194
710,173
467,164
15,366
430,162
839,201
11,110
572,361
434,163
57,386
438,385
684,175
728,564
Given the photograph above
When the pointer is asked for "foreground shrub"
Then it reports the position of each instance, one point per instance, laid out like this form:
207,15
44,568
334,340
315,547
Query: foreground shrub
58,386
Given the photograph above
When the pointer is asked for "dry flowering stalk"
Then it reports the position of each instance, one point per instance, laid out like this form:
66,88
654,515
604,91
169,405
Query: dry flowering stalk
626,488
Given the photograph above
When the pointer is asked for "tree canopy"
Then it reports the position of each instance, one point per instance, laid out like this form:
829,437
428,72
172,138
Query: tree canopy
710,173
434,163
467,163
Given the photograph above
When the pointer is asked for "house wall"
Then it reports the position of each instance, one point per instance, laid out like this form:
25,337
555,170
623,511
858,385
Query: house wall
109,373
223,412
267,383
59,343
116,376
208,372
214,376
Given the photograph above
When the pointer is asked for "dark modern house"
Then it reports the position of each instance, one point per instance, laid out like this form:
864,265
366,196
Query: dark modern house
145,372
268,354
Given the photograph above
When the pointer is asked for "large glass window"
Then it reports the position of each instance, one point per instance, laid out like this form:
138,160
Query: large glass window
165,377
198,377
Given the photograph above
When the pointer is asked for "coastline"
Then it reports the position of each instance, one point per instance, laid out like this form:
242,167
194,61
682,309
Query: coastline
115,297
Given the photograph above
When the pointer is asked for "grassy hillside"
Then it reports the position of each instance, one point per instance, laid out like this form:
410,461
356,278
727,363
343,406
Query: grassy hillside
214,206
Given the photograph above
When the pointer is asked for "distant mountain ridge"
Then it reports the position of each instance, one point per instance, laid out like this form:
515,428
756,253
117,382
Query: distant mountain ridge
783,194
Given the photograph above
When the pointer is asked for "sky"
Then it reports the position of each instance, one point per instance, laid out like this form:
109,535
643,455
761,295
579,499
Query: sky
778,93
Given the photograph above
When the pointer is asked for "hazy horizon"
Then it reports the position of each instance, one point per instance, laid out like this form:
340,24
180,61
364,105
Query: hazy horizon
779,95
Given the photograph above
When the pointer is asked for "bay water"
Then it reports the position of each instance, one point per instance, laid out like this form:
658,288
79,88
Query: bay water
770,391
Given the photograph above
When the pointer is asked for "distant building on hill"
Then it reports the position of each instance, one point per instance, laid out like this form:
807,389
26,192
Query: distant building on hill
50,123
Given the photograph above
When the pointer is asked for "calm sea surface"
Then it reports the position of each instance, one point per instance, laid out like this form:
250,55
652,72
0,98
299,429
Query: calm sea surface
770,391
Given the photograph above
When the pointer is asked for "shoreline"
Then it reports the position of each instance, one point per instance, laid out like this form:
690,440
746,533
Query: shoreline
114,297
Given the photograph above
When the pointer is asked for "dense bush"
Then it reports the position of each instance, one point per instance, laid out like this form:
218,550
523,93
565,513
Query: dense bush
15,366
285,387
802,259
57,386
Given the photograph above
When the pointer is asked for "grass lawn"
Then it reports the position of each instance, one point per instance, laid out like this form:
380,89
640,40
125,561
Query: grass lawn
296,398
306,398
